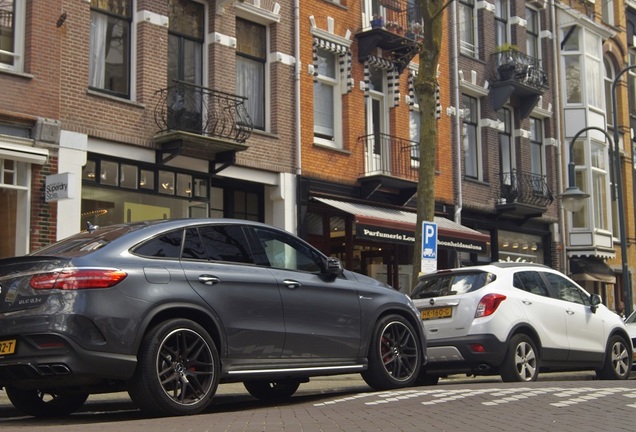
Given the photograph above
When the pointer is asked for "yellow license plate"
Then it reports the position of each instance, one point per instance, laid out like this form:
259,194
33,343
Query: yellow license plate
436,313
7,347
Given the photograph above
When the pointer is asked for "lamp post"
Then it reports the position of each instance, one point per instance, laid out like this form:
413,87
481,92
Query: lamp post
627,290
573,198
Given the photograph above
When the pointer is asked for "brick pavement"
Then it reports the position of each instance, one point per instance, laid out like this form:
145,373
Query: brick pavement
569,402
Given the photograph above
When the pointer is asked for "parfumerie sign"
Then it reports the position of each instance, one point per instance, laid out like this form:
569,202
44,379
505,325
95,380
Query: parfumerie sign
59,186
391,235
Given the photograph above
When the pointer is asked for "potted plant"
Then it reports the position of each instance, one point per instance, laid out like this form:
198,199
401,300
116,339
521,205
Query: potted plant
414,30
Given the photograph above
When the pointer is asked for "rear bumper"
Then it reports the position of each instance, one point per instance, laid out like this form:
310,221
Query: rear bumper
63,364
471,353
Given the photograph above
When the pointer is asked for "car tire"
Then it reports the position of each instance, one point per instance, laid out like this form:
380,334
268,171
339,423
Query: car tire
272,391
521,363
177,370
43,404
618,360
395,354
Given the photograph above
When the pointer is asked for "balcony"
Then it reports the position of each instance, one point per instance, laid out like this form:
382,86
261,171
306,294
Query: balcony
517,75
389,163
523,194
195,120
397,30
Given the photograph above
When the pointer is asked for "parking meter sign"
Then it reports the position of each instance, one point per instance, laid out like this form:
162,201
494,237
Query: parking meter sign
429,247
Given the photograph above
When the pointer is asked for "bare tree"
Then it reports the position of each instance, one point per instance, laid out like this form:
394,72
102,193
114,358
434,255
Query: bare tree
432,13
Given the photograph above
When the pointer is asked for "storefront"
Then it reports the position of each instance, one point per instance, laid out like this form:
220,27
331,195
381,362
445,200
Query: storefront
378,240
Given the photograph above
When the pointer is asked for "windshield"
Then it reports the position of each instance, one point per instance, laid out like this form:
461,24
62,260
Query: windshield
631,318
440,285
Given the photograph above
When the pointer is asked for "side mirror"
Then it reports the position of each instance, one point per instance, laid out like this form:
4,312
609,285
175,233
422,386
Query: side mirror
333,267
596,300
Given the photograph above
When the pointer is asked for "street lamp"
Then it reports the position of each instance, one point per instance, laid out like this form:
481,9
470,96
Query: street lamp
627,290
573,198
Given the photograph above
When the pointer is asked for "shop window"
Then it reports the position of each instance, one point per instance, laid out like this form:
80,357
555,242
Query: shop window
166,183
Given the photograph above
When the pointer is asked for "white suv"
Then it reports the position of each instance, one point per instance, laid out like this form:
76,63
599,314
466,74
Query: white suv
516,319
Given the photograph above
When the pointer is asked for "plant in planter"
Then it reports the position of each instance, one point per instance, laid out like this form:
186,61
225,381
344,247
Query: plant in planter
394,27
414,30
507,59
377,21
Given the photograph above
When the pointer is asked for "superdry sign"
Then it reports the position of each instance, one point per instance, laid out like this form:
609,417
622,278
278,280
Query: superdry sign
444,237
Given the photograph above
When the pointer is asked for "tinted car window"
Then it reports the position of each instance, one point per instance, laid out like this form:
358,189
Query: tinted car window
167,245
283,251
530,281
193,246
226,243
451,284
566,290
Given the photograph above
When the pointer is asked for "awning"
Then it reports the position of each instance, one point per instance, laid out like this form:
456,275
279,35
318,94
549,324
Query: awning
593,269
398,226
23,153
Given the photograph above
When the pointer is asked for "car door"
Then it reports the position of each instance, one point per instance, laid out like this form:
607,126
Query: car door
585,329
544,313
321,313
219,266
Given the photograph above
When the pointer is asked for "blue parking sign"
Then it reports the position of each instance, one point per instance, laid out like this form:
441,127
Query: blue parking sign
429,247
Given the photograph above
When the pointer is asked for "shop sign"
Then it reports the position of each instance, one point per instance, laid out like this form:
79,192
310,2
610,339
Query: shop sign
59,186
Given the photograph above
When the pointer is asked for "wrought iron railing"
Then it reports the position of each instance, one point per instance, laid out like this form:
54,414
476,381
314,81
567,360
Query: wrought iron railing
511,64
400,17
200,110
390,156
524,188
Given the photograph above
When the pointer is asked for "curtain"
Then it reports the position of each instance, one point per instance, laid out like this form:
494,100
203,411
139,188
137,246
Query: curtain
250,82
97,66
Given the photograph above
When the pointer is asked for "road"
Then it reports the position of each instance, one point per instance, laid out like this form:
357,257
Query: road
563,402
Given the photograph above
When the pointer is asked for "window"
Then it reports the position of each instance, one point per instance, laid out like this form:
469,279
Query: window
533,42
251,62
326,98
566,290
506,150
167,245
572,65
607,11
12,23
631,81
472,152
531,282
109,65
608,78
593,71
536,155
285,252
580,219
600,185
501,22
224,243
467,28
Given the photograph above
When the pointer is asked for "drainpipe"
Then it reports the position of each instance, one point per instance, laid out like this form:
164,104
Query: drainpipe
297,82
458,135
561,138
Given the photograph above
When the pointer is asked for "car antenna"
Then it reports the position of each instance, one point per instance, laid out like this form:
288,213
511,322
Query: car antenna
90,227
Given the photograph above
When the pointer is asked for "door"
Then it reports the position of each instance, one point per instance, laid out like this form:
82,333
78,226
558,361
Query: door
322,315
245,297
376,112
185,65
585,329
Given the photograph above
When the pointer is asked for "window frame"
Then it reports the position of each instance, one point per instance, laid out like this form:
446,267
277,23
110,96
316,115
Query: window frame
19,36
474,123
470,45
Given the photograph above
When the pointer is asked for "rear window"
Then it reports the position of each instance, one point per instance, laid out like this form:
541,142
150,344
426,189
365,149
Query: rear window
441,285
84,243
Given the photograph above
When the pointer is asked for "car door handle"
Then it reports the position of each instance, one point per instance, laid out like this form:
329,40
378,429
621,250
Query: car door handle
526,302
209,280
569,311
291,284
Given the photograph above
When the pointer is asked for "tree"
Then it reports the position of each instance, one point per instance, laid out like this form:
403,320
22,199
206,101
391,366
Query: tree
432,13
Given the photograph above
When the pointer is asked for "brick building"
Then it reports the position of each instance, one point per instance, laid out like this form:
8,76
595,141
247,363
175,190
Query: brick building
145,109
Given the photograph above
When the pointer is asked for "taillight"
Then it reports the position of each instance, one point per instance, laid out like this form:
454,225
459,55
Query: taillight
489,304
73,279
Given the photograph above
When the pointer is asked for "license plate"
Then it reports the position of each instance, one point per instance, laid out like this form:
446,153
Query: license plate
7,347
436,313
